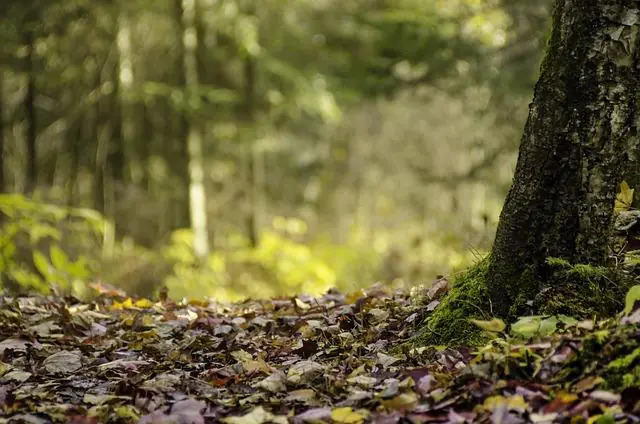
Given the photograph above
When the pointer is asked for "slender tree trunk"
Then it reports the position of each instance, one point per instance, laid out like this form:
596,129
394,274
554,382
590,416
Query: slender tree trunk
145,144
128,109
113,119
74,138
254,156
197,196
178,126
3,187
581,134
31,172
92,122
100,169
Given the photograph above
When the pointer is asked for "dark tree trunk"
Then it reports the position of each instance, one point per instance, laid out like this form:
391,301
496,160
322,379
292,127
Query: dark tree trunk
31,172
253,223
145,143
581,134
3,187
92,128
116,160
74,138
179,150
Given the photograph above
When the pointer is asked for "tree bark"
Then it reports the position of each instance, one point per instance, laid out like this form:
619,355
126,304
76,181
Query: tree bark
254,155
3,187
31,172
177,128
580,136
197,195
128,110
73,140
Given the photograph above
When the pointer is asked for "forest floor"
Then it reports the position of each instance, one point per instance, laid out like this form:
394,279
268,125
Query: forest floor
332,359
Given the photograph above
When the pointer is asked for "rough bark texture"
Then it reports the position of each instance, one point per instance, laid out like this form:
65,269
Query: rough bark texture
580,139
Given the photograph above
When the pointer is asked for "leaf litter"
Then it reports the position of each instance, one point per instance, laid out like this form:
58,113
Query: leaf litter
332,359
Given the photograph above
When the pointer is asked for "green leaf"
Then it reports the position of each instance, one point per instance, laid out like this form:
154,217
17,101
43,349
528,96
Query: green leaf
633,296
41,230
495,325
78,269
42,264
567,320
527,327
548,326
58,257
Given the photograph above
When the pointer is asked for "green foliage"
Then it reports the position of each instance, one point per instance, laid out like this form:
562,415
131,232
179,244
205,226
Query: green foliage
532,326
38,242
279,265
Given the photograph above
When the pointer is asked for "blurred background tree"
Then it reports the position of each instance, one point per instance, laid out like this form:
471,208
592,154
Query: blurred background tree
240,148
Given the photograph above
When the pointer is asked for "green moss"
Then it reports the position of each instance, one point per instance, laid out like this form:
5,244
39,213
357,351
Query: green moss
559,262
624,369
449,324
626,361
582,290
576,290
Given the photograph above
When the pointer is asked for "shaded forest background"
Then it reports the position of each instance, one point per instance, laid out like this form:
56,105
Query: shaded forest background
236,148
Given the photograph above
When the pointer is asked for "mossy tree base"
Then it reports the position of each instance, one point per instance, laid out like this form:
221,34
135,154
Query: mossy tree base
449,324
579,143
580,291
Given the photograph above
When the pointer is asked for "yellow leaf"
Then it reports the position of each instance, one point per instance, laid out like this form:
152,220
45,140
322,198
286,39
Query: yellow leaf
516,402
116,306
127,413
147,321
624,199
128,319
401,402
347,415
495,325
566,397
143,304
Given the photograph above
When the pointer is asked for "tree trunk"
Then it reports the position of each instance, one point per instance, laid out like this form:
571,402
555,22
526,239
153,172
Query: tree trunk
31,172
197,196
128,110
580,136
113,119
3,187
73,138
254,155
145,143
177,128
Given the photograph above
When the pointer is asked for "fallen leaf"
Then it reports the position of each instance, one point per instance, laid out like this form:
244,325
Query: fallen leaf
495,325
63,362
347,415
